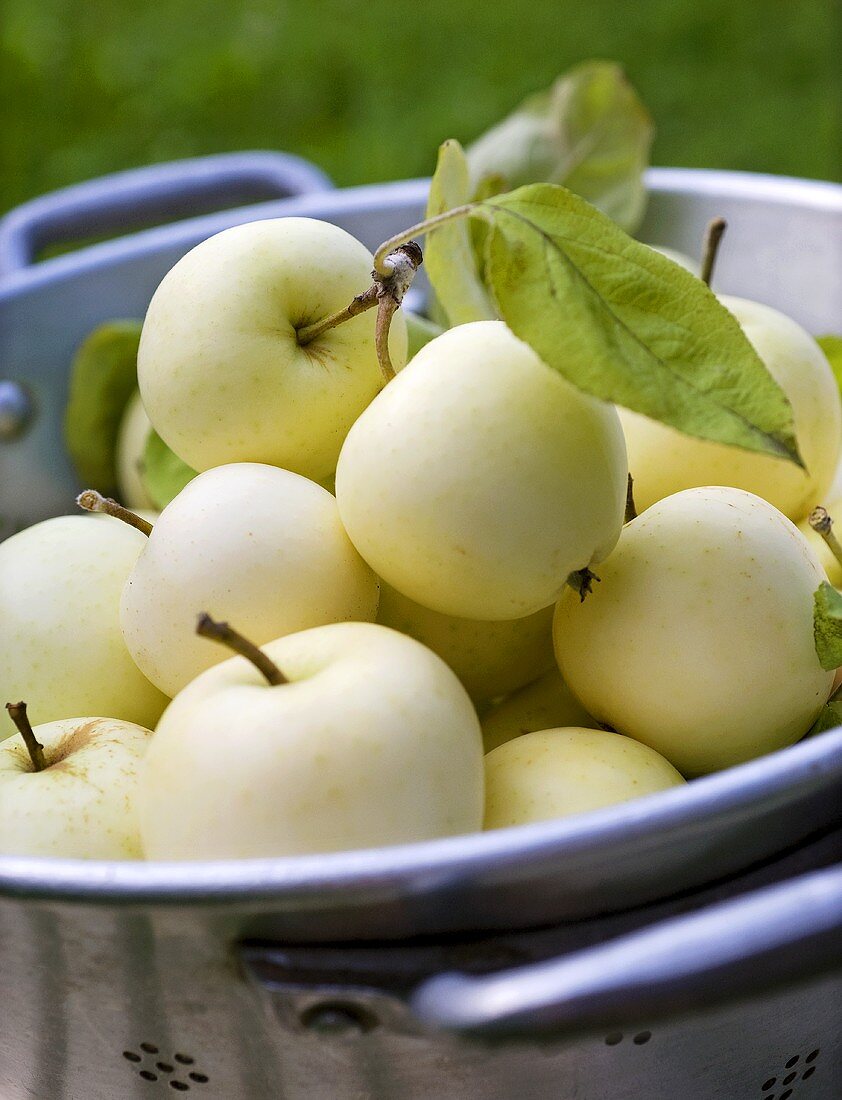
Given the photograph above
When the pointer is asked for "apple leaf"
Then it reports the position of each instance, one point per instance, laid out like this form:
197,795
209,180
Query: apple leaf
829,718
420,331
827,626
164,473
832,347
625,324
589,131
103,377
449,255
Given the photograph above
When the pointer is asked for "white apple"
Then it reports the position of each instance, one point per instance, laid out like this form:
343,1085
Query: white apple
490,658
134,431
82,804
372,741
61,647
558,772
544,704
664,461
699,639
222,374
831,565
479,479
260,545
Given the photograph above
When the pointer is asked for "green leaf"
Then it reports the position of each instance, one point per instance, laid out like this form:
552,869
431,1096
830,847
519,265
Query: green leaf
832,347
449,256
829,718
827,625
103,377
164,474
622,322
589,132
420,331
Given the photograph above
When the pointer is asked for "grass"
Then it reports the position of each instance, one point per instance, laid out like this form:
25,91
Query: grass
368,90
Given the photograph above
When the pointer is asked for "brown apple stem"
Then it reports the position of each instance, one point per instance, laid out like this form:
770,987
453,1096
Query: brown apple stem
822,524
713,236
631,507
389,285
386,308
17,713
92,501
383,255
226,635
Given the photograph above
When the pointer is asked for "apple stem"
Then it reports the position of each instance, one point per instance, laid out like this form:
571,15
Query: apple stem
392,279
631,507
226,635
383,256
17,713
582,582
92,501
713,236
822,524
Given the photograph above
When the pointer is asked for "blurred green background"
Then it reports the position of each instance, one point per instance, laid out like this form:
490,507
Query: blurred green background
368,90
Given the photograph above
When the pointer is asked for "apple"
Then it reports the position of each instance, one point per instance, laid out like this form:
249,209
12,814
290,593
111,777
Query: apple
261,544
490,658
699,639
346,736
61,646
67,788
830,562
558,772
133,433
479,479
664,461
221,370
544,704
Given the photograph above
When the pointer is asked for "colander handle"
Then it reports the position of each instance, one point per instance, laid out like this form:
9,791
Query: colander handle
737,948
146,196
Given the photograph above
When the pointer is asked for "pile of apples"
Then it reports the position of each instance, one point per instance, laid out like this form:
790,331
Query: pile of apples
443,611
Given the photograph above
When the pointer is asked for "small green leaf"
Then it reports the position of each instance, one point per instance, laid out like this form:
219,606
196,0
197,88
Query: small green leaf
420,331
103,377
622,322
827,625
832,347
164,474
449,256
589,132
829,718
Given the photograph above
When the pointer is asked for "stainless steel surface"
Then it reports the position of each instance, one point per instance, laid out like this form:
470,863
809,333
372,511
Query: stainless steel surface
93,996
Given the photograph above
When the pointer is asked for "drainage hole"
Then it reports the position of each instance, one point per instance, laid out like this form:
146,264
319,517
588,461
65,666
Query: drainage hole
614,1038
179,1086
150,1048
808,1073
813,1055
199,1078
791,1062
184,1059
148,1076
790,1077
770,1084
642,1037
164,1067
786,1095
130,1056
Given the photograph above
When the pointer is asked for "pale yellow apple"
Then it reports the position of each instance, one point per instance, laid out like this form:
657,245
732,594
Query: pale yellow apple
664,461
251,543
135,429
829,562
558,772
82,804
479,479
544,704
222,374
490,658
373,741
699,639
61,647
